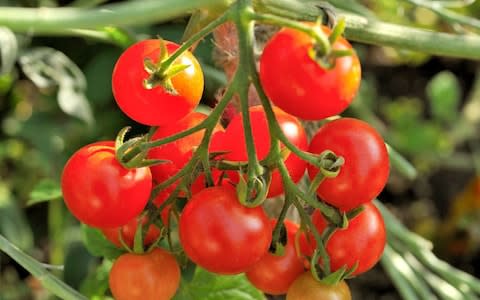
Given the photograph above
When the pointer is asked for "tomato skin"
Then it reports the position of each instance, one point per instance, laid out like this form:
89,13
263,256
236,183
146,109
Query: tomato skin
151,276
155,106
128,233
99,191
234,137
305,89
366,168
363,240
274,274
221,235
178,152
305,287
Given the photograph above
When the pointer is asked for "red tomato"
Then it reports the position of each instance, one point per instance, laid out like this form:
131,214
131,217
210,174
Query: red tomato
274,274
362,241
151,276
234,137
99,191
128,233
221,235
366,168
307,288
299,85
155,106
178,152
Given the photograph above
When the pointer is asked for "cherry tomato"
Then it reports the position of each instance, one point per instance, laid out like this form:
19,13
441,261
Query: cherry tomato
274,274
178,152
362,241
234,137
299,85
221,235
99,191
156,106
305,287
128,233
366,168
151,276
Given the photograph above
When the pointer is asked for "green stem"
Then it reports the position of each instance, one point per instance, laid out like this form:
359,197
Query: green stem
49,20
55,230
49,281
279,224
401,164
87,3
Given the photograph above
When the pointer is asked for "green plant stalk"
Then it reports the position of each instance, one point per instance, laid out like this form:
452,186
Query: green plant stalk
401,164
87,3
48,280
55,232
278,226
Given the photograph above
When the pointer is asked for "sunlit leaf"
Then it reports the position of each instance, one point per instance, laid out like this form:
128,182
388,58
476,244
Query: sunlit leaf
45,190
8,50
98,245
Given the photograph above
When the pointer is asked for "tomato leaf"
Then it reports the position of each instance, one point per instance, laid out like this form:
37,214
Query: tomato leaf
209,286
45,190
95,285
444,93
8,50
98,245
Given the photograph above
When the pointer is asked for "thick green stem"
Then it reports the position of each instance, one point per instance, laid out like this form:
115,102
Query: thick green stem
49,281
55,230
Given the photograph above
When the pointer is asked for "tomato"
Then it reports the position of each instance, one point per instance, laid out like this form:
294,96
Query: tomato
221,235
128,233
151,276
274,274
234,137
366,168
305,287
155,106
299,85
178,152
362,241
99,191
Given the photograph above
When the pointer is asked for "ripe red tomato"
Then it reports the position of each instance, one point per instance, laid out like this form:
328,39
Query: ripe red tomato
299,85
151,276
99,191
128,233
234,137
155,106
366,168
274,274
362,241
180,151
221,235
305,287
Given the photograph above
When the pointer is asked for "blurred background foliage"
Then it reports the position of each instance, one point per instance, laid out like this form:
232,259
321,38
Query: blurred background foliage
55,96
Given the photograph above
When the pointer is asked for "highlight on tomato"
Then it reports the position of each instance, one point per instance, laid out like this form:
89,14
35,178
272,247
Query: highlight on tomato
165,99
99,191
297,83
150,276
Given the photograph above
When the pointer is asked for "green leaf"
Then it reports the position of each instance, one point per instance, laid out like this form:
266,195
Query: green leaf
78,263
8,50
45,190
444,94
95,285
209,286
98,245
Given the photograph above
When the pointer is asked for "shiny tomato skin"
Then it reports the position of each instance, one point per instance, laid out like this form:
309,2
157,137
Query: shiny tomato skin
99,191
155,106
274,274
305,287
221,235
151,276
362,241
366,168
178,152
233,142
299,85
128,233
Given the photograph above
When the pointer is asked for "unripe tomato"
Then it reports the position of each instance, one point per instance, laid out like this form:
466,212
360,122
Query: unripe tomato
305,287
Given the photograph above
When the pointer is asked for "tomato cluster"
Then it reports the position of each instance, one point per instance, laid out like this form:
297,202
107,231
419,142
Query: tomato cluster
216,231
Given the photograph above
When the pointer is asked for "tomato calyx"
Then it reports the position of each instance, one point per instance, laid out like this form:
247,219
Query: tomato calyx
253,192
161,72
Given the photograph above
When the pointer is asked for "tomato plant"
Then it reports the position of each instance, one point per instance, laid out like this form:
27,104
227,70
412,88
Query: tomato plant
150,276
361,242
161,104
274,274
99,191
221,235
313,92
305,287
128,233
366,168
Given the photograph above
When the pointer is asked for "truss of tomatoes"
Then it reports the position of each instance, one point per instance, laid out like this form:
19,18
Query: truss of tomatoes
216,232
